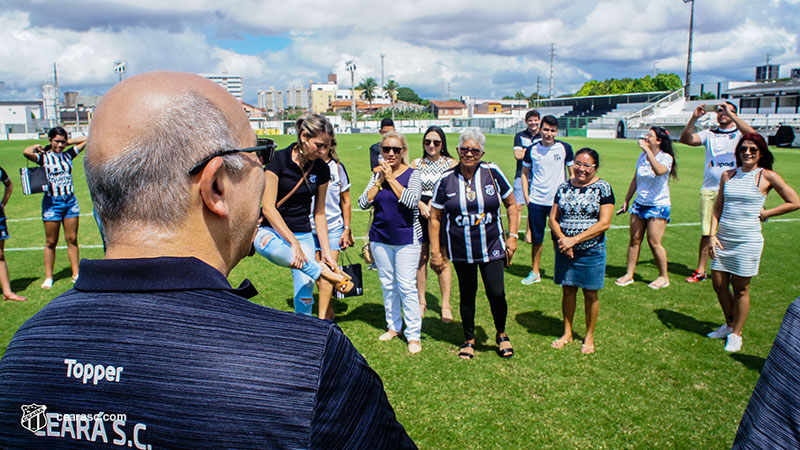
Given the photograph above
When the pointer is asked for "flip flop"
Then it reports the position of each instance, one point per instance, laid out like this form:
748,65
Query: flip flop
466,355
559,343
654,286
624,283
447,315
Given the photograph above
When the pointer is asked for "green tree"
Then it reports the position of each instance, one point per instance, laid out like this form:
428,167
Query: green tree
407,94
661,82
390,88
667,82
367,87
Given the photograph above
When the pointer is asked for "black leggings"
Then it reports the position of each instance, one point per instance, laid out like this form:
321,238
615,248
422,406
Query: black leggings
492,274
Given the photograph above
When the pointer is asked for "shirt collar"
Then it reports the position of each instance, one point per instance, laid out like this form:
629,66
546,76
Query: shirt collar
155,274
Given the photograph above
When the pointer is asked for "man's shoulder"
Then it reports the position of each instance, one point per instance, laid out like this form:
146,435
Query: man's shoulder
376,147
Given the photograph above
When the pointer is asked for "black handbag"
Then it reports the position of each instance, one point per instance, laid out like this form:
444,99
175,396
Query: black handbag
34,180
354,271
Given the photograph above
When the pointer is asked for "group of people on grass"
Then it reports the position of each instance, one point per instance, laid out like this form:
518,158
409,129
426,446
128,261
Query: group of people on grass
434,210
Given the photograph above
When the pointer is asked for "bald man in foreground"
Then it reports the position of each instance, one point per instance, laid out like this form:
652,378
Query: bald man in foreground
153,348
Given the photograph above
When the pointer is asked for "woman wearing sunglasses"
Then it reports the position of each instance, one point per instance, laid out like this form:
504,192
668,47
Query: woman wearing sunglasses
736,242
650,210
434,162
294,177
582,211
467,203
59,204
394,193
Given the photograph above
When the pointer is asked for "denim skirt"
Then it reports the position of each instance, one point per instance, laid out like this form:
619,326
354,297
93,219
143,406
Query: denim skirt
586,270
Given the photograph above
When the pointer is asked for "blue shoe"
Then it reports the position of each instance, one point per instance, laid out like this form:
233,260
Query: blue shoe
531,278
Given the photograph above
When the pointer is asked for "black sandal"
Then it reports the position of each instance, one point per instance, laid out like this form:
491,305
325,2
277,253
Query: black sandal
504,352
465,355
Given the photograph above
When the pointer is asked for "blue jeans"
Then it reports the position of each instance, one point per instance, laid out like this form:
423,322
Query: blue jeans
271,245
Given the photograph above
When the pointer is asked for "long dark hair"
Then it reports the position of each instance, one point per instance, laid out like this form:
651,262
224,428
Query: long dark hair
440,132
666,147
765,158
55,131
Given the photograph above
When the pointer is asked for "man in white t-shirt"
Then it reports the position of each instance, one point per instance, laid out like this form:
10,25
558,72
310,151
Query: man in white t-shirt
524,140
545,166
720,144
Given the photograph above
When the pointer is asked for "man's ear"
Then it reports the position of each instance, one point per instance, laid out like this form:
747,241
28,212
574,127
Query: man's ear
213,179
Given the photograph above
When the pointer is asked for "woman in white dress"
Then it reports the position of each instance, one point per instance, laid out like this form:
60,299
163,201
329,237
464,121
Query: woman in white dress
736,242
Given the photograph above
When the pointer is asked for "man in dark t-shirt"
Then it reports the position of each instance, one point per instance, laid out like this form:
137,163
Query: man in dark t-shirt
153,348
387,125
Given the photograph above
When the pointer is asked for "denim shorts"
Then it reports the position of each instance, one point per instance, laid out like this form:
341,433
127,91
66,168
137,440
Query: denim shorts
334,237
651,212
586,270
56,208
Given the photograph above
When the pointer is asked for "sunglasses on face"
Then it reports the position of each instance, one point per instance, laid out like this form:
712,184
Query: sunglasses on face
395,150
474,151
749,150
264,150
428,142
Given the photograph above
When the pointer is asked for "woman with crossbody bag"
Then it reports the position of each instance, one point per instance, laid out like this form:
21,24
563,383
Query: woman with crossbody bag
294,177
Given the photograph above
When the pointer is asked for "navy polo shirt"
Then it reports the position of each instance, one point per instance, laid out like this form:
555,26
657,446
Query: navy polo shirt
163,353
296,209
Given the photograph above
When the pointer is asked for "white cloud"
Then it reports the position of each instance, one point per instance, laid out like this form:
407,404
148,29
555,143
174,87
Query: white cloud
478,49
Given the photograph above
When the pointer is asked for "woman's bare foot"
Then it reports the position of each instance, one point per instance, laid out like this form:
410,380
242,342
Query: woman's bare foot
624,280
561,342
659,283
447,315
14,297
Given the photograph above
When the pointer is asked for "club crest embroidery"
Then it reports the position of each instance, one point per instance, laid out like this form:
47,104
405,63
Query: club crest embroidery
33,417
489,189
312,178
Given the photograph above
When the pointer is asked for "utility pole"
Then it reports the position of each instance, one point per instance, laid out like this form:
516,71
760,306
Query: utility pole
552,55
351,67
689,57
655,67
383,82
448,91
537,90
55,81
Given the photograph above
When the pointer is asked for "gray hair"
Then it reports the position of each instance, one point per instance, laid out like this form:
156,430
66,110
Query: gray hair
145,187
472,134
400,137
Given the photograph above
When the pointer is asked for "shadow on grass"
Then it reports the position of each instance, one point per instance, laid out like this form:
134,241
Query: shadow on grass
20,284
538,323
674,319
66,272
750,361
369,313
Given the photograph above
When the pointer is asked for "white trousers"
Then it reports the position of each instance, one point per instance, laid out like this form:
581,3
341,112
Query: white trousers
397,270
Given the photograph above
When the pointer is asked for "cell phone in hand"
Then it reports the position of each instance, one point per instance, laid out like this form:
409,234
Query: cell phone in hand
621,211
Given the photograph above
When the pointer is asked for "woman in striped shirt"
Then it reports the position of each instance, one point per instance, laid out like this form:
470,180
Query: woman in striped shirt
59,205
394,193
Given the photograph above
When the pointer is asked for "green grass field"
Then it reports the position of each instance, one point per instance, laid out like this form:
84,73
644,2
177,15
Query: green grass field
656,381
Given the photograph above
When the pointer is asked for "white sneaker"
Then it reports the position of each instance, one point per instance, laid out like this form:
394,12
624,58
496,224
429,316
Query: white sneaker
720,333
734,343
48,283
531,278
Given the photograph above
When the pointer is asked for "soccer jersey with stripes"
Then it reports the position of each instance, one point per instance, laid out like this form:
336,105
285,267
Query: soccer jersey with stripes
471,212
59,170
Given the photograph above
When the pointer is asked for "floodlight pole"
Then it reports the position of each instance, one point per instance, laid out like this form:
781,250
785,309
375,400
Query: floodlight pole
689,57
351,67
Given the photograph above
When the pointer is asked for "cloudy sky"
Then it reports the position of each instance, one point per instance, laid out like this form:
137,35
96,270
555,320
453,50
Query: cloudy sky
481,49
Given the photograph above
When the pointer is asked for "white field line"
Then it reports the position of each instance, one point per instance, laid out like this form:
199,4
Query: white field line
613,227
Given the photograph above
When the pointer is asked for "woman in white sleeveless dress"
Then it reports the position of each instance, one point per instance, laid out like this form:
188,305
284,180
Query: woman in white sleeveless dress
736,242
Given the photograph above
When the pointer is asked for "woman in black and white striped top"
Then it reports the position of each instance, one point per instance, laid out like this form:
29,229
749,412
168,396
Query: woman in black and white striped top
435,161
59,205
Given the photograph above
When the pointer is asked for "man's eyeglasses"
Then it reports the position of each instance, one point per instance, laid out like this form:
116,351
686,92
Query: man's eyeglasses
427,142
396,150
465,150
264,151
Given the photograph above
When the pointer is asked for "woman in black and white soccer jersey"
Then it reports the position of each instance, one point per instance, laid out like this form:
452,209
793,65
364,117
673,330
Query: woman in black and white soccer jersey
59,205
467,202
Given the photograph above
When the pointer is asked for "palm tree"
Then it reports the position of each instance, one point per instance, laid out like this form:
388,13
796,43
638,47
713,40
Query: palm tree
391,89
368,86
